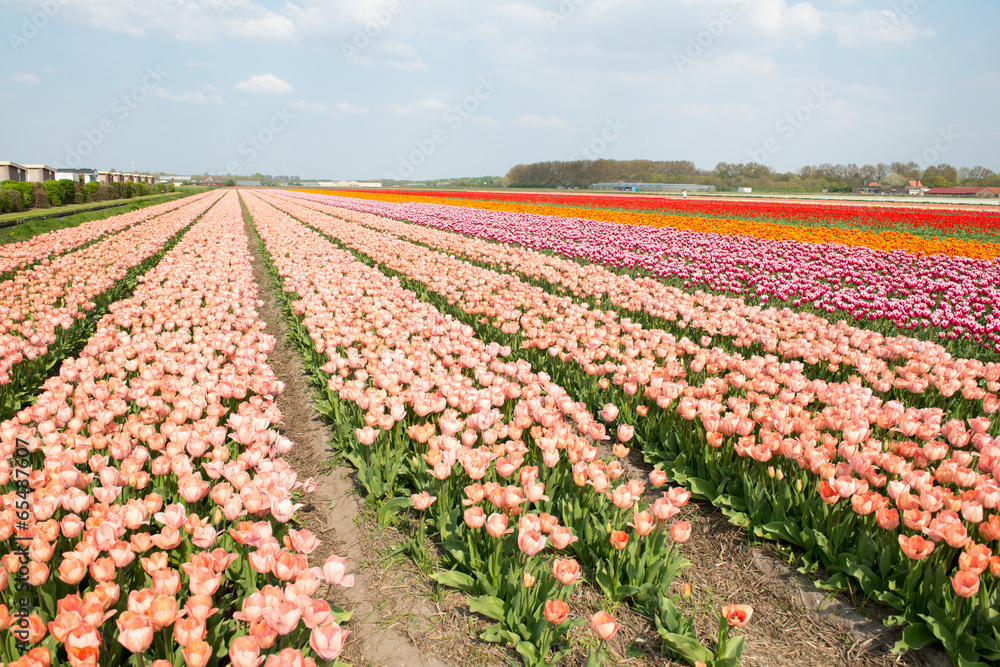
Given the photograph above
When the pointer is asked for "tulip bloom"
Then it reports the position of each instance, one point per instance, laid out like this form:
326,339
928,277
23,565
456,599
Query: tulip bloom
556,611
657,477
244,652
189,630
561,537
283,617
530,542
604,625
619,539
83,645
496,525
475,517
915,547
422,500
965,583
197,653
566,570
680,531
334,572
135,632
737,615
303,541
328,640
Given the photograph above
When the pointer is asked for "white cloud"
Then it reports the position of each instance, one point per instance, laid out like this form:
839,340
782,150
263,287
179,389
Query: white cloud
534,120
352,110
24,77
189,97
309,107
183,20
266,84
876,28
784,24
271,26
424,107
397,54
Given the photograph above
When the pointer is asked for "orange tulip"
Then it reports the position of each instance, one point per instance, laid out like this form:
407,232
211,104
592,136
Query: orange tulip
556,611
604,625
197,653
965,583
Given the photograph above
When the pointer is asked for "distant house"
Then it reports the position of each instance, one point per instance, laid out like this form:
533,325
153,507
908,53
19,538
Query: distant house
77,175
965,192
39,173
744,190
212,182
870,189
108,177
12,171
248,184
911,188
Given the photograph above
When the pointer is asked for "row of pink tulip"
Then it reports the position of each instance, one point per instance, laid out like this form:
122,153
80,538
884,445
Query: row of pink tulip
884,364
912,292
593,337
493,440
856,442
39,302
158,505
14,256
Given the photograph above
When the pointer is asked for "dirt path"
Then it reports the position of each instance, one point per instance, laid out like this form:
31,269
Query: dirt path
335,508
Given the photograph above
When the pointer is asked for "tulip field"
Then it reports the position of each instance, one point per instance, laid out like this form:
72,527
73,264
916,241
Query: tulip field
827,378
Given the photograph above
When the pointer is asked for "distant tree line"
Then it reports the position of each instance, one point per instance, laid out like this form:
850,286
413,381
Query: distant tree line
19,196
726,176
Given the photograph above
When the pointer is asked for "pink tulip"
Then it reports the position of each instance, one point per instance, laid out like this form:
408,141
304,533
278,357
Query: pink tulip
135,632
496,525
422,500
328,641
244,652
334,572
604,625
680,531
531,542
302,541
283,617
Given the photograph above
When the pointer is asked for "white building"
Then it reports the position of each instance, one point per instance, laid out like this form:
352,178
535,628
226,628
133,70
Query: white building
78,175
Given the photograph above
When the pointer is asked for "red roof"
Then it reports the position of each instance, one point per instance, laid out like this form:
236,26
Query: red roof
915,184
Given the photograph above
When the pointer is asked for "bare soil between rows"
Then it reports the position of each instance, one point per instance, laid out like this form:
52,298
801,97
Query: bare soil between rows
403,619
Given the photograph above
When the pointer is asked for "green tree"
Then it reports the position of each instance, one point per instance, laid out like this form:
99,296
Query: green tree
53,190
948,173
893,179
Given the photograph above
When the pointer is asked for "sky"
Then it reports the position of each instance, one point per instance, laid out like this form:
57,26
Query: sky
427,89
